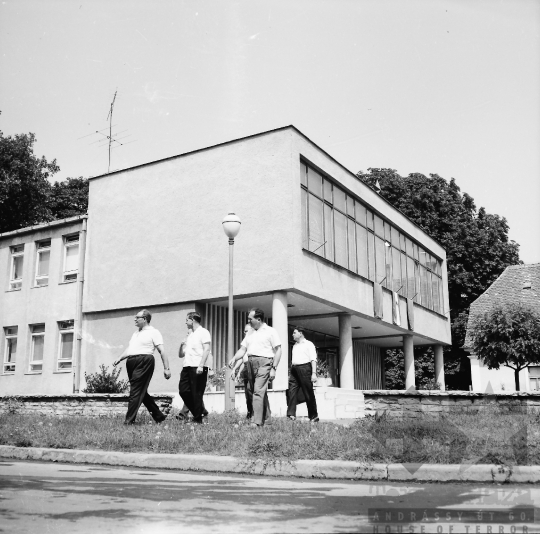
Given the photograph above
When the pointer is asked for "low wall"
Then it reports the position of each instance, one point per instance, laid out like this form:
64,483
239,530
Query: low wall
434,403
89,405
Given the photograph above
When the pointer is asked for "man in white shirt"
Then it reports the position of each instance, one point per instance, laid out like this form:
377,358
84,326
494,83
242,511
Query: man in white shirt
140,367
195,351
263,348
303,375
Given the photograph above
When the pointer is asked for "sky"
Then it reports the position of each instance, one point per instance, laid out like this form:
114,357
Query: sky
450,87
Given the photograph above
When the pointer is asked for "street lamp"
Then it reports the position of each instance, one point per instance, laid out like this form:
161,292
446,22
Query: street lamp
231,227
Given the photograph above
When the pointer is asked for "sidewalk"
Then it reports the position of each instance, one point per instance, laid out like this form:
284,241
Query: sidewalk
320,469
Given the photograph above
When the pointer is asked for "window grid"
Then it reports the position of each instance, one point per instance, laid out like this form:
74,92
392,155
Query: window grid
391,258
16,270
10,349
38,343
43,256
65,346
71,258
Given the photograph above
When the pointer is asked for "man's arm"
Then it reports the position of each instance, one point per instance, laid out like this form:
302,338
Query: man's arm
165,360
313,355
277,357
206,352
122,357
239,354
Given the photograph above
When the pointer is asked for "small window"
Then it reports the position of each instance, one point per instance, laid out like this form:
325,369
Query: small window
71,258
65,346
361,214
43,257
303,174
16,272
38,344
350,206
327,186
314,182
379,226
10,349
340,199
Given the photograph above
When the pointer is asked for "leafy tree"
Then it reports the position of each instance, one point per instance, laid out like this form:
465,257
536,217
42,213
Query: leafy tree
476,243
69,198
509,335
105,382
24,185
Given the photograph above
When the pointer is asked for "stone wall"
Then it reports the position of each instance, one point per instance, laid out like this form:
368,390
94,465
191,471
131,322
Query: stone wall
421,404
88,405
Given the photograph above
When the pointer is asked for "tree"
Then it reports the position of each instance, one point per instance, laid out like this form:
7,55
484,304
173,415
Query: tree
24,185
69,198
476,243
509,335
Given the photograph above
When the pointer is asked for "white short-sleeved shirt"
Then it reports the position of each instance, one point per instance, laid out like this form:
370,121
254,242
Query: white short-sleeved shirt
304,352
194,348
262,342
144,341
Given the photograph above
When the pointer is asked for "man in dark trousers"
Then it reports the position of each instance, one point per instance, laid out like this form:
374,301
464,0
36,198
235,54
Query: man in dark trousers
140,367
195,351
303,375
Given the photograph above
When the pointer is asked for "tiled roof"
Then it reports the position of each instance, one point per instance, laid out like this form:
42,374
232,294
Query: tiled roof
518,283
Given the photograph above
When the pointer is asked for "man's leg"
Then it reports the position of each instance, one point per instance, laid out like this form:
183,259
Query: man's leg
261,370
294,386
184,387
304,375
249,398
198,385
140,370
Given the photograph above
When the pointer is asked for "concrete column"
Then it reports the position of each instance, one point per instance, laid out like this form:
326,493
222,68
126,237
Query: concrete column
280,323
439,366
346,367
476,377
408,351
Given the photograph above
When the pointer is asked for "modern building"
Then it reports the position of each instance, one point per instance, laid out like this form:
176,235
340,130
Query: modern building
317,248
517,283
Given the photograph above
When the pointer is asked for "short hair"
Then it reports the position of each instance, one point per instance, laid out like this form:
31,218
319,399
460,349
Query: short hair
147,315
300,330
195,316
257,313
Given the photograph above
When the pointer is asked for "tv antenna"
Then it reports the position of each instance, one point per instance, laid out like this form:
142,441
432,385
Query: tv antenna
112,140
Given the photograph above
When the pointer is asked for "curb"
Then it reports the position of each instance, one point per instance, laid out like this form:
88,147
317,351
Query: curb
318,469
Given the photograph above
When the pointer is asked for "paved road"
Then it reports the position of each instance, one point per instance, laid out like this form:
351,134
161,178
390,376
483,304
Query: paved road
38,497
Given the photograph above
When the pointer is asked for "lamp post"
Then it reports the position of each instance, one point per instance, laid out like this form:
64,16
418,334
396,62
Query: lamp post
231,227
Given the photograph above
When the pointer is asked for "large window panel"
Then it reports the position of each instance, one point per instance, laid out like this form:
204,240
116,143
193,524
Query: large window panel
10,349
43,258
351,240
17,263
435,293
38,344
371,256
396,269
65,346
316,228
329,232
314,182
380,261
340,199
305,238
340,225
403,290
411,289
361,250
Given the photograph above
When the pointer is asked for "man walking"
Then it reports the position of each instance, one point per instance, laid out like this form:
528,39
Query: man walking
303,375
263,348
140,367
195,351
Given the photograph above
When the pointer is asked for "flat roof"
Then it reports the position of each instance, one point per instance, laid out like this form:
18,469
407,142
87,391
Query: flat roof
35,227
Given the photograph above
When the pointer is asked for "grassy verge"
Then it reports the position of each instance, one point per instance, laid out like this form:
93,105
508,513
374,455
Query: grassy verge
493,438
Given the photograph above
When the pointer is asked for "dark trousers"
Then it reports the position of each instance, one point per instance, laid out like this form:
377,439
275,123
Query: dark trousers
300,379
249,401
258,377
140,370
191,389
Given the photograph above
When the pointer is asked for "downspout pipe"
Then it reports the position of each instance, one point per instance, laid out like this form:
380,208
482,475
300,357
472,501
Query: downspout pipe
77,349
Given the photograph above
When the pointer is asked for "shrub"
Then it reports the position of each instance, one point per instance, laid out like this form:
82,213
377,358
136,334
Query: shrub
105,382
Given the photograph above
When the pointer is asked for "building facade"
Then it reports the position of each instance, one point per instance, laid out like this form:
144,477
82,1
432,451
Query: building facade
317,248
518,283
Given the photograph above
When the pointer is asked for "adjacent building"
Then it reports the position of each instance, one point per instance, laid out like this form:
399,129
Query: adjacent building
317,248
517,283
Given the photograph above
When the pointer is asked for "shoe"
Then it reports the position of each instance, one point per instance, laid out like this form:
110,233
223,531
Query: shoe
314,420
249,416
205,414
180,417
254,425
291,417
161,421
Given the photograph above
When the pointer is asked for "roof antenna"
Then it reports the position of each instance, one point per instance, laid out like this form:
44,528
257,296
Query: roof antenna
109,118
